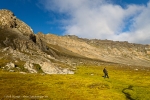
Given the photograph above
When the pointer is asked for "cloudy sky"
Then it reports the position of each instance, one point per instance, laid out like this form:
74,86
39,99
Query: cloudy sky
119,20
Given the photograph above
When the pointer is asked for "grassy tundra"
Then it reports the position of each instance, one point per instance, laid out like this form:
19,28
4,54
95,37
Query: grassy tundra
125,83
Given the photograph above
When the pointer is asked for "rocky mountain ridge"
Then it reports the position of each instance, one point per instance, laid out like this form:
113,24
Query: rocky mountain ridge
106,50
22,50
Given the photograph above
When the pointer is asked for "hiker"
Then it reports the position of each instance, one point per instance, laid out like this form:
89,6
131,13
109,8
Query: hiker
105,73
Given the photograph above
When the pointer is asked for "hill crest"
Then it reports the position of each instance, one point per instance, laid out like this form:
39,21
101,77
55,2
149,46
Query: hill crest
22,50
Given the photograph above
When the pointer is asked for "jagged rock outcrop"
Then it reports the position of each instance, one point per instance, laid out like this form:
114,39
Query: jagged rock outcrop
23,49
9,20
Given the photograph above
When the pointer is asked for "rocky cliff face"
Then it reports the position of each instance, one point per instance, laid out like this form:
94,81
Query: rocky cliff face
9,20
22,50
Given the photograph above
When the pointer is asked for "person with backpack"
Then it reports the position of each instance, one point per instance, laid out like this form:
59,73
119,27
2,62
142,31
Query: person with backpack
105,73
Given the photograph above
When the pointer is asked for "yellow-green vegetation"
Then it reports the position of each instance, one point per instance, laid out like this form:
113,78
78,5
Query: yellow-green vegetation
88,83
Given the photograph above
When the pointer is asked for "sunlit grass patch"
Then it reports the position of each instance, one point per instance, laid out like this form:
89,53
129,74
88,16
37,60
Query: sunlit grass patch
86,84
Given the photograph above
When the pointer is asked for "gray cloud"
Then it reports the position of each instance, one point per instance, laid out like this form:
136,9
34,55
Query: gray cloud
103,20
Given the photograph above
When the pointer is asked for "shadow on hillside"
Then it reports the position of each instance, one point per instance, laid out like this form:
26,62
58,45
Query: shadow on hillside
127,94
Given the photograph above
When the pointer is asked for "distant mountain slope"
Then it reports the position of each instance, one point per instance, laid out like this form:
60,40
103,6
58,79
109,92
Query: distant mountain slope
105,50
22,50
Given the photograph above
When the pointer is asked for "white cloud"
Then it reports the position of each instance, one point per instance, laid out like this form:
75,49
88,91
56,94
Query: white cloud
103,20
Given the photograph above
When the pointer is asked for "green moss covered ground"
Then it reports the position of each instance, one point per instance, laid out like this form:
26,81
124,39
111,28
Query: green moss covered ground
88,83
